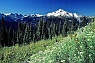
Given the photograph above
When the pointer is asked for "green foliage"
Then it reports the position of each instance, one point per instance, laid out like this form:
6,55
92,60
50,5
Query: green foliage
75,48
18,54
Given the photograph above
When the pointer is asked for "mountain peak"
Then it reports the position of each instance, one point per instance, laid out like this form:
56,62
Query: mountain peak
36,15
7,14
60,9
61,12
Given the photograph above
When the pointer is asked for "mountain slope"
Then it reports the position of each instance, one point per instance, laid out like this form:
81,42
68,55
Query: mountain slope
18,54
76,48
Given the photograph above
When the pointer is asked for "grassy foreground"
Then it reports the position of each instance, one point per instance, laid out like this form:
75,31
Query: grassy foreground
76,48
18,54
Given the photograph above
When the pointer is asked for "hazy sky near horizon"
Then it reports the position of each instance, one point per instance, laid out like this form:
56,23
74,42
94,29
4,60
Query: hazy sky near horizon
82,7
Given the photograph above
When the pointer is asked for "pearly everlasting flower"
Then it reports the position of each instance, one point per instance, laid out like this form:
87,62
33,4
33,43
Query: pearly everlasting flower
87,34
93,36
88,39
80,59
50,61
74,54
91,46
91,32
80,46
62,61
81,52
89,55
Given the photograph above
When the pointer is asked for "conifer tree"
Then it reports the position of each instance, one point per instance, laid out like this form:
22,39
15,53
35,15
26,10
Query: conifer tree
45,30
56,30
4,35
64,29
59,28
10,37
14,38
20,33
53,29
39,30
25,36
84,21
30,33
50,32
72,22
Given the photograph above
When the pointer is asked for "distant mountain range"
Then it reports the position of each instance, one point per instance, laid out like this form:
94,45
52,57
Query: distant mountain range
14,17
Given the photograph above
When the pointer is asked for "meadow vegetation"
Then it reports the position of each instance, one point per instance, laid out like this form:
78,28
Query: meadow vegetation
18,54
76,48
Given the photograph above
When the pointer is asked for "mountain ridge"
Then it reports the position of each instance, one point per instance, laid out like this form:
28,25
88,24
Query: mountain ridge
18,17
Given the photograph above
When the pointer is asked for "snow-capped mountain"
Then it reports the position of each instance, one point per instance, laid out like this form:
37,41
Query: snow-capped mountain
11,16
19,17
61,12
36,15
15,15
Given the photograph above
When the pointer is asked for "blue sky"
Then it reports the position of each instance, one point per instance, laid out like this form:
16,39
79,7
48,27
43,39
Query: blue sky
83,7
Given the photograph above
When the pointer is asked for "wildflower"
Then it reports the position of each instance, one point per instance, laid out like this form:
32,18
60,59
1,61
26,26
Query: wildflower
62,61
40,52
87,34
51,51
89,55
80,46
78,52
81,52
74,54
78,42
80,59
44,58
92,36
50,61
91,32
91,46
88,39
62,46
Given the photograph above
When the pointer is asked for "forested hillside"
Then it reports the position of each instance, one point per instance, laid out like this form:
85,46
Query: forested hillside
17,46
27,32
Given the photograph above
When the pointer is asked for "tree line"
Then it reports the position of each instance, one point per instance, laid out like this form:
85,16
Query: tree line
28,33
